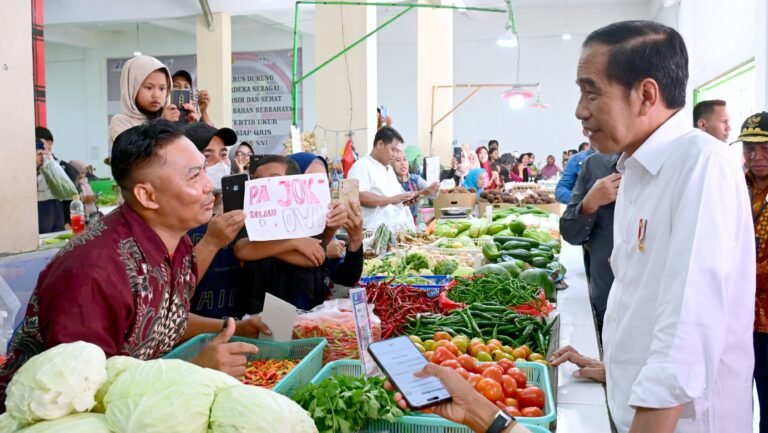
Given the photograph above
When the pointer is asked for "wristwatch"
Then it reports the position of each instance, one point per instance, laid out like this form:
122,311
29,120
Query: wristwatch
501,422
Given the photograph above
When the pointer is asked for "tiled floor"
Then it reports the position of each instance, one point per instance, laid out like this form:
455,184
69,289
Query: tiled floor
581,406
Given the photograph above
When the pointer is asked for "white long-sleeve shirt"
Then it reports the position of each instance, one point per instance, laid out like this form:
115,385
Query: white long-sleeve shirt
678,326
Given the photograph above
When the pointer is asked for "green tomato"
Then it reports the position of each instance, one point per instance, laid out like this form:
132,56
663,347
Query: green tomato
415,339
429,345
420,347
484,357
461,343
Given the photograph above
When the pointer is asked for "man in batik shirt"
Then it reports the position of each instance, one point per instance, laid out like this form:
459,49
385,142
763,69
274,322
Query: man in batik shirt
125,283
754,138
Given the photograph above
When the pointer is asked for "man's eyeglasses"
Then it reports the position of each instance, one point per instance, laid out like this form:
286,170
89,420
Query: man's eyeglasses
751,150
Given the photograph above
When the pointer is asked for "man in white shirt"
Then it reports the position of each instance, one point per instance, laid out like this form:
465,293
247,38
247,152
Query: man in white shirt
677,335
712,117
379,188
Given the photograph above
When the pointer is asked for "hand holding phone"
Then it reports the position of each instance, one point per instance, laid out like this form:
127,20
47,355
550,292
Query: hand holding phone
399,359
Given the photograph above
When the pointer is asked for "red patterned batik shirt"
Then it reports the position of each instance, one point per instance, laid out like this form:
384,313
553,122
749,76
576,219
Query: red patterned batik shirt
760,216
113,285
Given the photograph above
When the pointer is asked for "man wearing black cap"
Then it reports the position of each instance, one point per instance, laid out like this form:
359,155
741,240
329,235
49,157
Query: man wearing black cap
754,138
182,80
214,296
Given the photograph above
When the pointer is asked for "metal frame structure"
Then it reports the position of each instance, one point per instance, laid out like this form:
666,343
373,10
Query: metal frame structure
407,8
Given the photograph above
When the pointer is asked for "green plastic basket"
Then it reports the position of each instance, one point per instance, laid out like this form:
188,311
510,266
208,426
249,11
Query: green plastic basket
425,423
309,350
103,186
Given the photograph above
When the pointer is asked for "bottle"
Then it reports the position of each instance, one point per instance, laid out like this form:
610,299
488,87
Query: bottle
76,215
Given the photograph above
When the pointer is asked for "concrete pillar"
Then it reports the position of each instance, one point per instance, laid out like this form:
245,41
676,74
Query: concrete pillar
18,211
435,67
346,89
214,66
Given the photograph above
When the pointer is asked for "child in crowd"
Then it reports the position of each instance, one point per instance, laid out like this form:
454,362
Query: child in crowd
294,269
145,86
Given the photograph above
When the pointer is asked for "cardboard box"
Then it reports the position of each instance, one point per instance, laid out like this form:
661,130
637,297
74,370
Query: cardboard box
553,208
454,199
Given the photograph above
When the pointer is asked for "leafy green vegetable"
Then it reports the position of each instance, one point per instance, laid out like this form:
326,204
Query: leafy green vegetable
446,267
345,404
415,261
251,409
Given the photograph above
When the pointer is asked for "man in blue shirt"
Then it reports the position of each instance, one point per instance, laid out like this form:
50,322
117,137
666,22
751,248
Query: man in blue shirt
571,173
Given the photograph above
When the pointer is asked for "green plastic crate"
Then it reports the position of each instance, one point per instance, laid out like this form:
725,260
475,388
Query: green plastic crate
309,350
103,186
425,423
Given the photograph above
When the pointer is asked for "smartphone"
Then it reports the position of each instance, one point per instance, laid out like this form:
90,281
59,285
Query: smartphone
349,190
233,191
179,97
457,154
399,359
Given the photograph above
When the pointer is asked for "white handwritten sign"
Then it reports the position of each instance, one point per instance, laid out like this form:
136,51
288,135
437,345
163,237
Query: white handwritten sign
286,207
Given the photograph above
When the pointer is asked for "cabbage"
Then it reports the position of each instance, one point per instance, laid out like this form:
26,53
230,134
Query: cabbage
8,424
163,396
78,423
116,366
57,382
250,409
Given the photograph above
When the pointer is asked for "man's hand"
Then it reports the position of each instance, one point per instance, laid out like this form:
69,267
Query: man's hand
354,226
337,215
588,368
467,406
39,158
203,101
251,327
226,357
402,198
335,249
310,248
223,228
603,192
171,113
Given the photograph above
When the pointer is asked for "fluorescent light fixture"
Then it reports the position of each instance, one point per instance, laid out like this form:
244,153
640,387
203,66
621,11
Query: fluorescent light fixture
567,36
507,39
136,53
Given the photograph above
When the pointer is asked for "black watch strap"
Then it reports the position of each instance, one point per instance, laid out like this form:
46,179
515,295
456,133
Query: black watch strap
501,422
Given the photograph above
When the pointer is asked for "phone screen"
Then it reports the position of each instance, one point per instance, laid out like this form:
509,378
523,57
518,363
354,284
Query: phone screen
399,359
179,97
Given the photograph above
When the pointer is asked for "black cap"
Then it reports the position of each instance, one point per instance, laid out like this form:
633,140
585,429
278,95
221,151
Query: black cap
754,129
183,74
201,134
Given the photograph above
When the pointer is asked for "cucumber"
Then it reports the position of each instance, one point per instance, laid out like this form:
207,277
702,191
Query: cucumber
504,239
516,245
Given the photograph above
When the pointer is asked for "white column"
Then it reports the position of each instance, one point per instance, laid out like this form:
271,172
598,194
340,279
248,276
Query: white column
214,66
346,89
435,67
18,211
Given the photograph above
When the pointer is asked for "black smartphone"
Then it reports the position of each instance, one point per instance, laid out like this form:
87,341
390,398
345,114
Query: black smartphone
233,191
399,359
179,97
457,154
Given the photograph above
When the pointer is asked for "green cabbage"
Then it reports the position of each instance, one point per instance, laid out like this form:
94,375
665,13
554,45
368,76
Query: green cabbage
250,409
78,423
116,366
8,424
163,396
57,382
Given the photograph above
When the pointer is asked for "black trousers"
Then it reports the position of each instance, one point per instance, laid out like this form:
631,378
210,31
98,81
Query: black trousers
50,216
761,376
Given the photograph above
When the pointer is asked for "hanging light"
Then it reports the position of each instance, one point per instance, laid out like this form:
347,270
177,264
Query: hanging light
517,98
508,39
539,103
137,52
567,36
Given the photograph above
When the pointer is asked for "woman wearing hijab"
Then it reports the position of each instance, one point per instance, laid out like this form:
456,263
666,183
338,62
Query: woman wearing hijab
474,161
476,178
145,86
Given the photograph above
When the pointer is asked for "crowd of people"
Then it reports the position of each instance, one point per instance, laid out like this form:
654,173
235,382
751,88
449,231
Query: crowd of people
662,210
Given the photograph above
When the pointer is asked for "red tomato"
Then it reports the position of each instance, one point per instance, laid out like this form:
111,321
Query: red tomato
511,402
519,376
488,365
442,354
451,363
429,355
467,362
474,379
448,345
492,373
509,386
505,364
532,412
478,348
464,373
532,396
490,389
441,336
513,411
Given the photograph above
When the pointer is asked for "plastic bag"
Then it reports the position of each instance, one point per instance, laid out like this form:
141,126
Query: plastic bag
396,218
59,183
335,321
9,306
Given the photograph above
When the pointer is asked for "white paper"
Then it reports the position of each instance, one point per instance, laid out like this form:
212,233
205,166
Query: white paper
363,330
433,169
286,207
295,139
280,317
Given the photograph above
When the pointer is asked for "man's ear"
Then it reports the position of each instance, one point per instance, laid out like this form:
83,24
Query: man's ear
700,124
650,95
145,195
